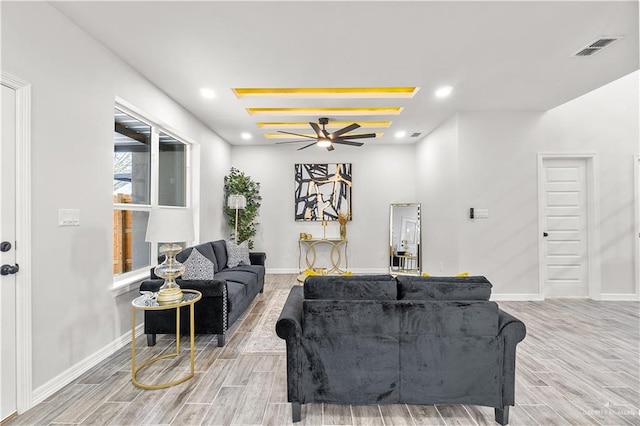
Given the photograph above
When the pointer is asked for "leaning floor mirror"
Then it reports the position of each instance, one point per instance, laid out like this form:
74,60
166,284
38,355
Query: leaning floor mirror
404,238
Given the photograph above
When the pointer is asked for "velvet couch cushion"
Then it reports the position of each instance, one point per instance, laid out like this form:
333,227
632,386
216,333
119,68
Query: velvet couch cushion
258,270
236,292
443,288
220,250
247,279
357,287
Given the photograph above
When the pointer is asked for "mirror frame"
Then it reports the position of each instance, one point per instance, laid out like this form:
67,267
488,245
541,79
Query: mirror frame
401,262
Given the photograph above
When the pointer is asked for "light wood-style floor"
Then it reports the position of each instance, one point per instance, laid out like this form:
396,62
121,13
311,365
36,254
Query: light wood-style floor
578,365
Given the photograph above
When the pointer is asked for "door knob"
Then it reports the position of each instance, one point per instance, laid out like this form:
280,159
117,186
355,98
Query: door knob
8,269
544,234
5,246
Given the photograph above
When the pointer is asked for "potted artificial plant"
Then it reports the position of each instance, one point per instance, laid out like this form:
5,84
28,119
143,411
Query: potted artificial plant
237,183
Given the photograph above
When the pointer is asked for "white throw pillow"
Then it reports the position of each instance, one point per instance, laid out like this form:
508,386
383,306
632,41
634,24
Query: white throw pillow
237,254
198,267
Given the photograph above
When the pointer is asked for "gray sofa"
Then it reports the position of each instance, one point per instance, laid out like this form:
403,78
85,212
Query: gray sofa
224,298
384,340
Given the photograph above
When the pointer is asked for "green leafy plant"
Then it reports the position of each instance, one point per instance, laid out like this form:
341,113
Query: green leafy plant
236,182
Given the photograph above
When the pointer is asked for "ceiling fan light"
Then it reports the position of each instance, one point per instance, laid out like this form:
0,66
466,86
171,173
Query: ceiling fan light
324,143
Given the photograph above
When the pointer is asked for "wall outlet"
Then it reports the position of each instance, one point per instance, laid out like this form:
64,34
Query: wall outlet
441,266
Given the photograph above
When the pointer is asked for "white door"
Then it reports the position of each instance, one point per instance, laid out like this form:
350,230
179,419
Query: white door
8,393
565,236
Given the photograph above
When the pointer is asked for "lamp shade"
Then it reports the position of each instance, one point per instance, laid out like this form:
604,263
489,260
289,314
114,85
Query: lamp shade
170,226
236,201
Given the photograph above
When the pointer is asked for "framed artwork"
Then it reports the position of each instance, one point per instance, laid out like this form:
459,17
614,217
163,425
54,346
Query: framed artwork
322,191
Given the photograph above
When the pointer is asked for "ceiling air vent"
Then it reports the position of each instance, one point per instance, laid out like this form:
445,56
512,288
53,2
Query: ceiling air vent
416,134
596,46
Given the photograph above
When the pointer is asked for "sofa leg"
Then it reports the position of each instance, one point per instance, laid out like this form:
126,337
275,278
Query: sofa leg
151,339
220,340
295,411
502,415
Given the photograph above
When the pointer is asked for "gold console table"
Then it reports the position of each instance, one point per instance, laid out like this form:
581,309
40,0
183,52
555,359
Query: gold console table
338,253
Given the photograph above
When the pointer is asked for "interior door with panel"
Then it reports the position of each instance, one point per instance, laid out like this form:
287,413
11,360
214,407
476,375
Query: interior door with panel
565,233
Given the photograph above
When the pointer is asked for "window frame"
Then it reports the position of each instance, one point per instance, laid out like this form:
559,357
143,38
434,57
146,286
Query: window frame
127,281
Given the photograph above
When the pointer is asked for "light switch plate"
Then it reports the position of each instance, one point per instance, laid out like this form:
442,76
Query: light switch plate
68,217
481,213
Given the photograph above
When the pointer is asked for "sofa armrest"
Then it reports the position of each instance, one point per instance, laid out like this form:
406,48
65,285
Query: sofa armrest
512,330
289,323
151,284
208,288
511,327
257,257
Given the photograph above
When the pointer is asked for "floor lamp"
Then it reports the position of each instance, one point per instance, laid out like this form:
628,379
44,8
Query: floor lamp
170,227
237,202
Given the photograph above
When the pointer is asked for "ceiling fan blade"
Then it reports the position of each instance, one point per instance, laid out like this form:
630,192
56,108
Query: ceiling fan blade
306,146
297,140
343,142
330,148
316,129
296,134
362,136
344,130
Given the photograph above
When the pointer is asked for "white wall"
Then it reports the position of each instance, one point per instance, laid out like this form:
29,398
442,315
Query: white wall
75,81
489,160
437,187
381,175
606,121
498,172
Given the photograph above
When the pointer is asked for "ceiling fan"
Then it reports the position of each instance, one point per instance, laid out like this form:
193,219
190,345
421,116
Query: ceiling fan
325,139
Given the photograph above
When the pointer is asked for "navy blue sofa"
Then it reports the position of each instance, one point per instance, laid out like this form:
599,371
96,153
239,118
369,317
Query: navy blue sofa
224,298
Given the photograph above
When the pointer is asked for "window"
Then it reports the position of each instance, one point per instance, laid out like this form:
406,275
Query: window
149,170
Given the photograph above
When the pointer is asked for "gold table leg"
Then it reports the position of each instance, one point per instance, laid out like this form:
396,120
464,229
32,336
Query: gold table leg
135,371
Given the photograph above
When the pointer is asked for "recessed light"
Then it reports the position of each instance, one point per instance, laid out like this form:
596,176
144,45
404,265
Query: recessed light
207,93
444,91
401,134
245,135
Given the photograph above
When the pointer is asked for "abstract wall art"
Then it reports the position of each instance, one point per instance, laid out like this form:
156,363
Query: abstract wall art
322,191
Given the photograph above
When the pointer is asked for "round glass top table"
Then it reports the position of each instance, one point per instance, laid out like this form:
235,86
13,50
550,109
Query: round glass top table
147,302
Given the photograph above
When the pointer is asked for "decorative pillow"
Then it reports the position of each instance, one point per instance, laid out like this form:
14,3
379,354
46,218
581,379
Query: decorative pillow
198,267
237,254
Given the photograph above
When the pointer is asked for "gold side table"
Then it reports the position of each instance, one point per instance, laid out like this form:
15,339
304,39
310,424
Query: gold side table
146,303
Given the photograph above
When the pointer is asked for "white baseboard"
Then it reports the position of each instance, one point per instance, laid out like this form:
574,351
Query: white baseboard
280,271
621,297
516,297
66,377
